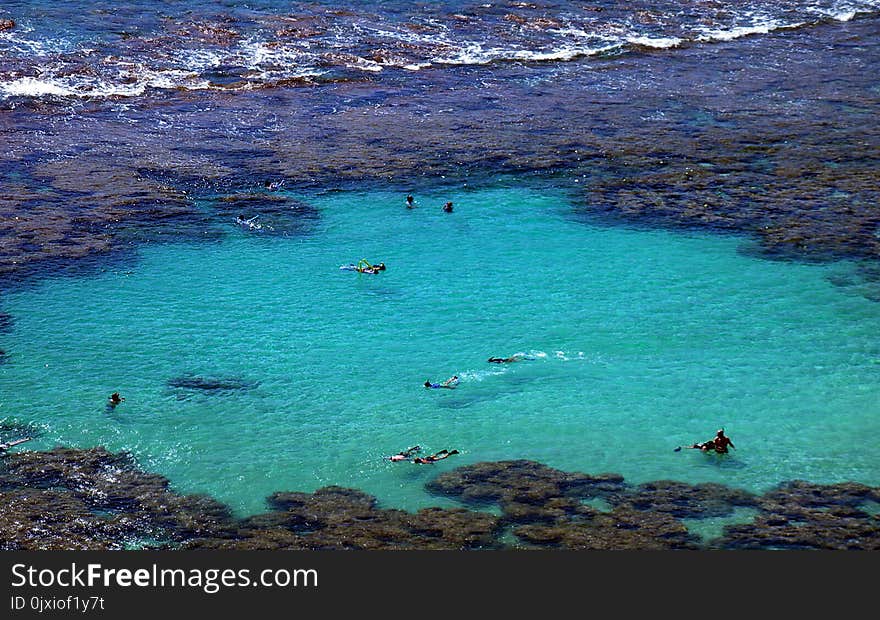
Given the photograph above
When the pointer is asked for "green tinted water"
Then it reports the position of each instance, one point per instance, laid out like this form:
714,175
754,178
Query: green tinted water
643,341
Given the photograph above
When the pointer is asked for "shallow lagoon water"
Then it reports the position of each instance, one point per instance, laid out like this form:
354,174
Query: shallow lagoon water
643,341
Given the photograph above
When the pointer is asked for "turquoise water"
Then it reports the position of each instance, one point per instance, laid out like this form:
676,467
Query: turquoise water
644,340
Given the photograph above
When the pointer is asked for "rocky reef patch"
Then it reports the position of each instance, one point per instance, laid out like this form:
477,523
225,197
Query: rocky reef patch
94,499
740,150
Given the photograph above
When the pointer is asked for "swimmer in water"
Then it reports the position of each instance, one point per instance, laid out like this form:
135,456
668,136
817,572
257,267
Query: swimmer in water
717,444
404,455
410,202
447,207
248,223
508,360
433,458
273,185
364,266
450,383
5,446
114,400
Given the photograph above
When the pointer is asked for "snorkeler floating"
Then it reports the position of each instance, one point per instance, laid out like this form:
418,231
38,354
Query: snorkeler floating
508,360
250,223
404,455
433,458
719,444
364,266
450,383
5,446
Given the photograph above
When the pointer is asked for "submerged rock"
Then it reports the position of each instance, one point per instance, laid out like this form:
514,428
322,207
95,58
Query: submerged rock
804,515
547,506
218,385
686,501
94,499
522,482
340,518
623,528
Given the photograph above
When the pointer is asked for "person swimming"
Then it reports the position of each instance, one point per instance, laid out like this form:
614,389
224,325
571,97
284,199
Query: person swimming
251,223
404,454
5,446
273,185
505,360
433,458
114,400
447,207
450,383
410,202
364,266
717,444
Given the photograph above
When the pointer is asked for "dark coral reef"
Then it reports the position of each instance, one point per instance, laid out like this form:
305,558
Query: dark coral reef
94,499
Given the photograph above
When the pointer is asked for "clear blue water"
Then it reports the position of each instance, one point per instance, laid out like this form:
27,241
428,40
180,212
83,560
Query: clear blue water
644,340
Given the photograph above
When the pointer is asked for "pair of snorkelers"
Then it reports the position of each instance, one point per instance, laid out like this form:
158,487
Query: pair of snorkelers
453,381
411,204
405,455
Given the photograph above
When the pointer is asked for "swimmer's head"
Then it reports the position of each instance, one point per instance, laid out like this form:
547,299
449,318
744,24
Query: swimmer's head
720,432
427,384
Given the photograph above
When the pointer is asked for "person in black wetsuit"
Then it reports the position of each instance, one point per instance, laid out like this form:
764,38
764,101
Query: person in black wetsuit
433,458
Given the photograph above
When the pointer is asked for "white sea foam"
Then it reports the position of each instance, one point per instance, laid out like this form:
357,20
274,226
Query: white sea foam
475,54
737,32
482,375
761,27
364,64
845,11
656,42
19,43
67,87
